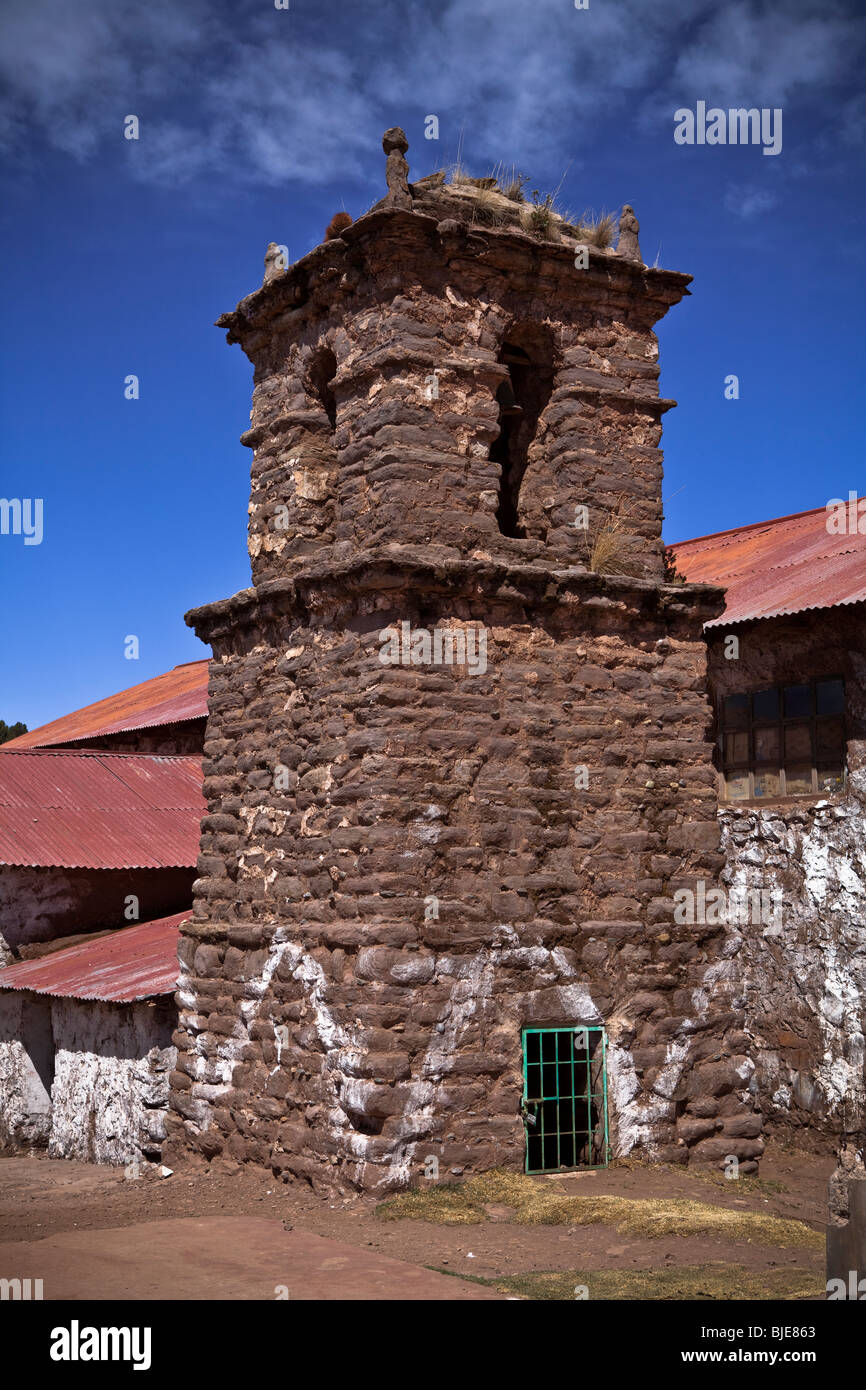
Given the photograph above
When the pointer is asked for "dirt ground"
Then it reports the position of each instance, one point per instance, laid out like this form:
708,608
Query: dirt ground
41,1197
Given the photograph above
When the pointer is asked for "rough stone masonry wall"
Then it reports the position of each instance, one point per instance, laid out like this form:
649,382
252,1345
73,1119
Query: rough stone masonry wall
804,980
554,904
401,301
400,869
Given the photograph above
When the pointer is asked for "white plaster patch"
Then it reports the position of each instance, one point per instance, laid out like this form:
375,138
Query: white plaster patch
636,1119
812,970
110,1089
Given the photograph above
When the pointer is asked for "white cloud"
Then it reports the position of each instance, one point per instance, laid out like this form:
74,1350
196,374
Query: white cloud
748,55
273,95
749,200
71,73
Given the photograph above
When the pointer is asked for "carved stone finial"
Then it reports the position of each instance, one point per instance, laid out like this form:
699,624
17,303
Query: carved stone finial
627,245
395,145
275,262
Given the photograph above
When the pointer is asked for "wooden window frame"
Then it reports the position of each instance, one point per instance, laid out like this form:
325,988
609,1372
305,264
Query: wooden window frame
752,766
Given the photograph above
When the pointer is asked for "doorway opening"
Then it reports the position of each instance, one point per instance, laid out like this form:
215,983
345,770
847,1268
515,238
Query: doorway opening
565,1098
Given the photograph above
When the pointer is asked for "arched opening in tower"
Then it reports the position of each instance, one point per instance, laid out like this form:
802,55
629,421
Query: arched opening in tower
323,369
522,397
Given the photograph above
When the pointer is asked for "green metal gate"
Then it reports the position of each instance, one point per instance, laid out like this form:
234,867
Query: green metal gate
565,1098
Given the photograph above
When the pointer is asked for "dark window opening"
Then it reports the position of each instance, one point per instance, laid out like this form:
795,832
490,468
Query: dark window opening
323,369
565,1098
365,1124
40,1040
788,740
522,397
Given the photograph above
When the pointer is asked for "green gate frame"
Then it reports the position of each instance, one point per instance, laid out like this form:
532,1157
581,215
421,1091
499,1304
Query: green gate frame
576,1096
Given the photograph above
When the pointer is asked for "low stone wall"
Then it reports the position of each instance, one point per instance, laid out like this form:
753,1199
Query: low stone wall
26,1069
110,1091
84,1078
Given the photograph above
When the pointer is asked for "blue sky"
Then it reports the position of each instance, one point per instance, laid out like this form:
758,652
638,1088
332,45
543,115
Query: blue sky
256,125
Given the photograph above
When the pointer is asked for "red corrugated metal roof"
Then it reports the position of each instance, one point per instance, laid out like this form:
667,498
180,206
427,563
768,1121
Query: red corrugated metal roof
175,696
80,810
132,963
771,568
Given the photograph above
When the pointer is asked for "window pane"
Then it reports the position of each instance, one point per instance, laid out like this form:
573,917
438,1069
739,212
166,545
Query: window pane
736,786
765,704
830,779
798,701
736,710
798,741
829,697
767,784
830,736
766,745
737,748
798,780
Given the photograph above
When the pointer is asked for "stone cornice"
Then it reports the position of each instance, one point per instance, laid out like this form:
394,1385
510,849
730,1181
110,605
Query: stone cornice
541,587
334,268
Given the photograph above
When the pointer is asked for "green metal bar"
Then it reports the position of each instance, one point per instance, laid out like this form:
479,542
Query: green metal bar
573,1105
525,1100
555,1097
587,1095
542,1115
604,1092
559,1105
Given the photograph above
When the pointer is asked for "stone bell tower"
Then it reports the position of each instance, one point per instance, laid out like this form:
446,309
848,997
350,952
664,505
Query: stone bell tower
457,755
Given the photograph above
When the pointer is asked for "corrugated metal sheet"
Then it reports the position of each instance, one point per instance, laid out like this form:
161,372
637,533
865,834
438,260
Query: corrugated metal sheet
772,568
79,810
132,963
176,695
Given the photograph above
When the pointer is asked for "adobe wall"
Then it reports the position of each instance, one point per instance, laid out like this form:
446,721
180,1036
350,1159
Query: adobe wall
40,904
805,979
183,738
84,1078
26,1070
110,1091
403,785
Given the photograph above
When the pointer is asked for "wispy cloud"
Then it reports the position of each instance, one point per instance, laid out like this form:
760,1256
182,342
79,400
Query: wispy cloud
273,95
746,53
748,200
